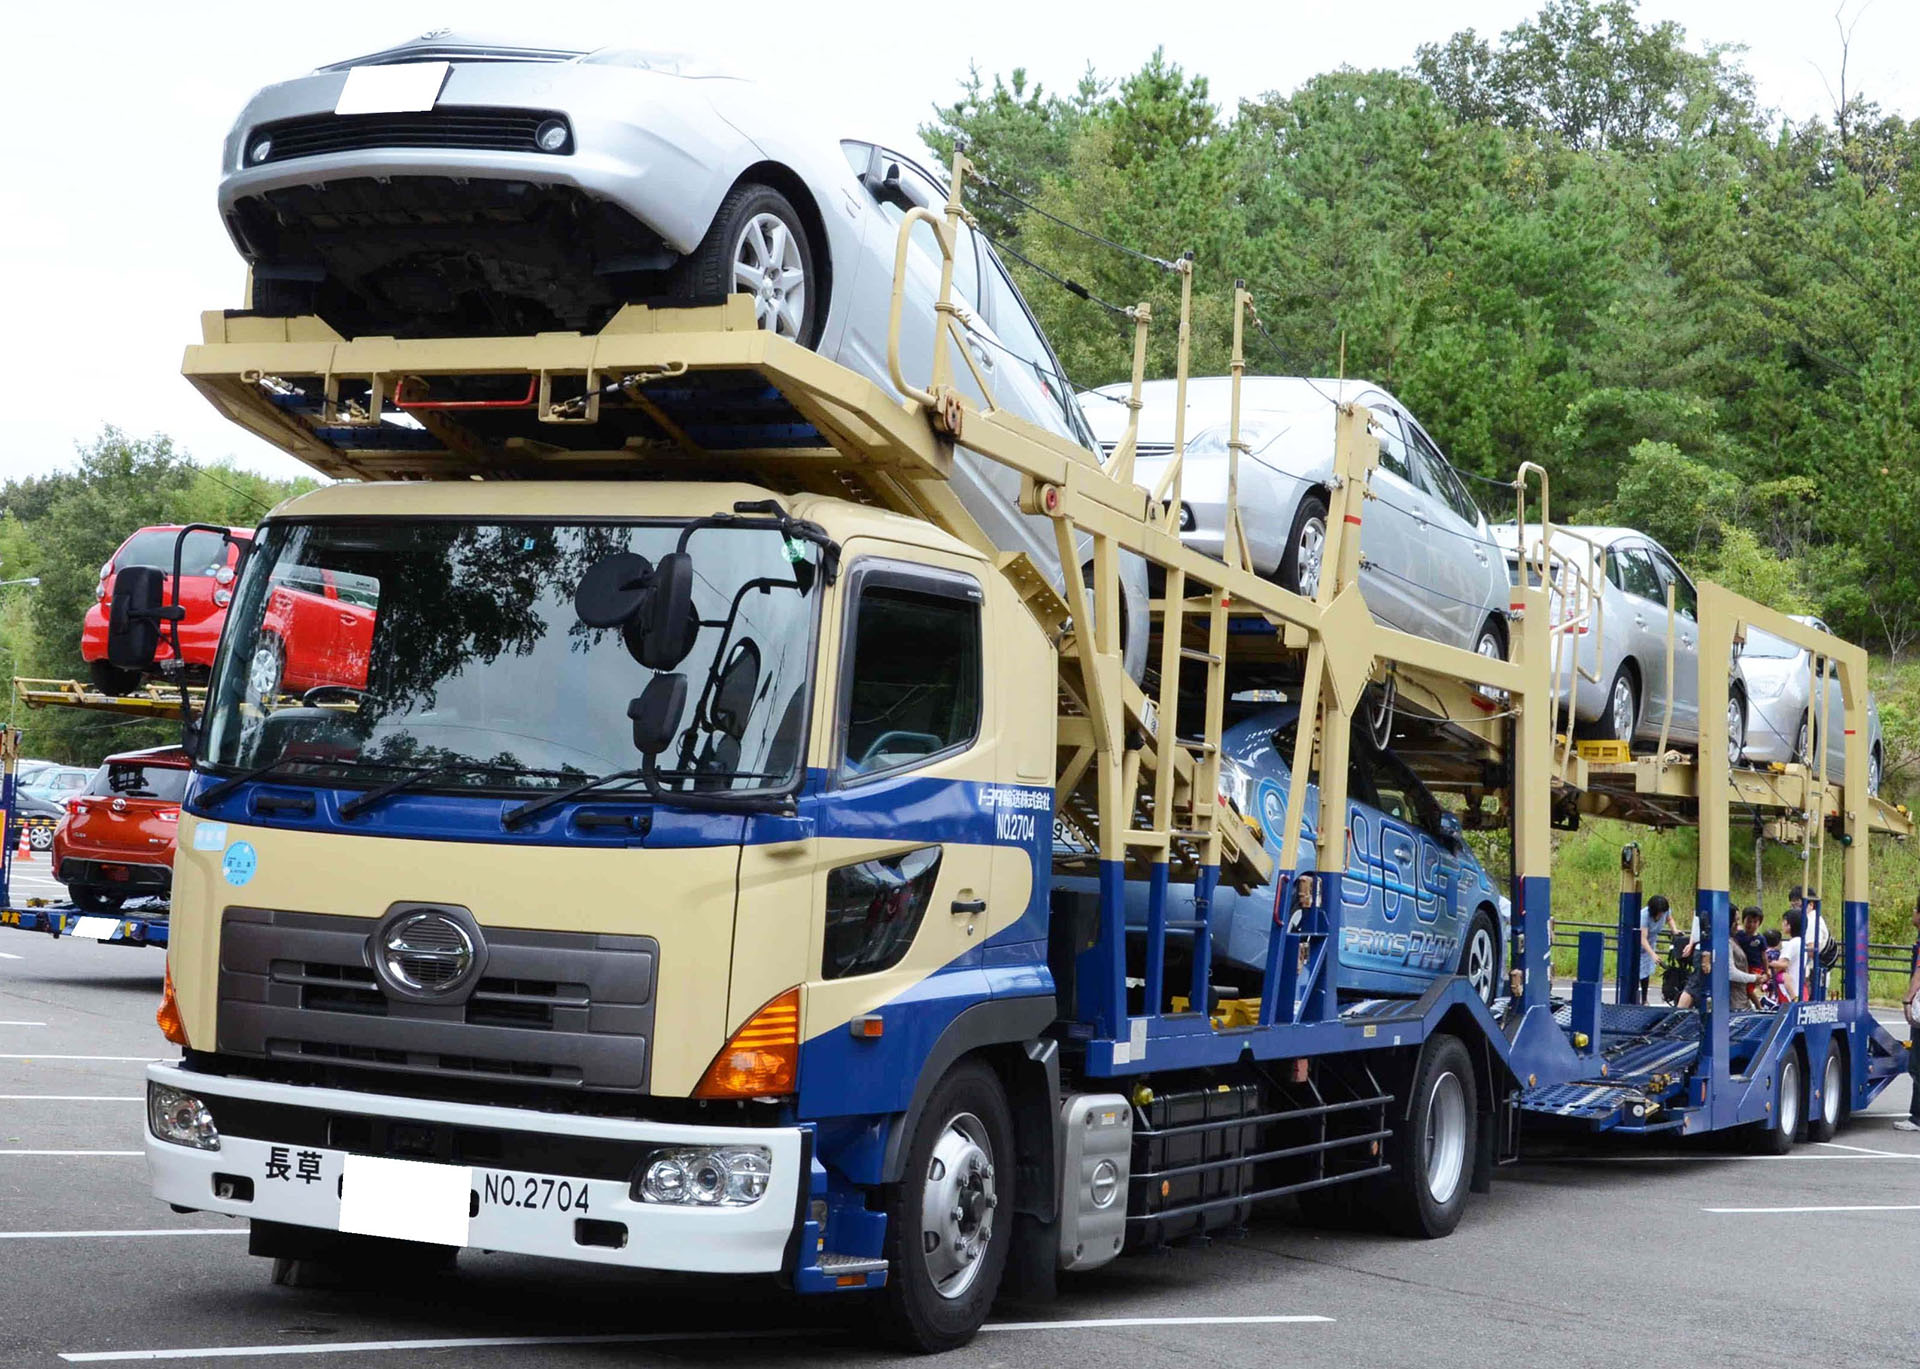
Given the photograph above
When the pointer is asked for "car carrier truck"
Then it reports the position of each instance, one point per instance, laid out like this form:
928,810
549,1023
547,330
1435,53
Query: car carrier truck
674,883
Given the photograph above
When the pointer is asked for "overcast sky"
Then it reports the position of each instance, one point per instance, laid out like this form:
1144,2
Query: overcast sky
112,247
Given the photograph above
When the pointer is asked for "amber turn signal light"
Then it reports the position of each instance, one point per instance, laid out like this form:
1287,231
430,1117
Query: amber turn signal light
168,1015
762,1058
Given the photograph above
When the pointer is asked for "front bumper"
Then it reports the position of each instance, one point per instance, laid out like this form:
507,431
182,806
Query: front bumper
296,1178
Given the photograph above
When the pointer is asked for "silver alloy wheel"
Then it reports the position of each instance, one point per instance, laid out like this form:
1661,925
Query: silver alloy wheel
1480,961
1308,554
1787,1113
1873,771
1446,1142
1830,1088
263,672
39,838
1736,730
1489,645
768,266
956,1205
1621,708
1800,744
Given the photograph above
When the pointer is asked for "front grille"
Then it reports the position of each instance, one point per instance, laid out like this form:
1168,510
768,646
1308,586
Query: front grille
474,129
558,1008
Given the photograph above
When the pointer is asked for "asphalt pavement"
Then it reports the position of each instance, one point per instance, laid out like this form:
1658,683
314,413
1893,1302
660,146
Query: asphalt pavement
1634,1254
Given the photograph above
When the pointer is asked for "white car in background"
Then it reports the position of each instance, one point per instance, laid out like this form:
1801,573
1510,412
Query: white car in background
1778,679
1432,567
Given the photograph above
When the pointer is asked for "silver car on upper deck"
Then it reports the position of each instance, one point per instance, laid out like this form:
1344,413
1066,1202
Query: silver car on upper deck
1778,680
1431,567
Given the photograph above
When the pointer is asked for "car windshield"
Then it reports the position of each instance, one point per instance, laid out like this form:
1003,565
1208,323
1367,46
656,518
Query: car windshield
362,651
132,780
203,554
1768,646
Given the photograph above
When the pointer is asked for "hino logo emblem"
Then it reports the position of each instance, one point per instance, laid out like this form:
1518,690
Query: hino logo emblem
426,954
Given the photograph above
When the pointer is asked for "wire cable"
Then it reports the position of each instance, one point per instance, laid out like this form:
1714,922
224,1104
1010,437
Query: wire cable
990,184
1072,287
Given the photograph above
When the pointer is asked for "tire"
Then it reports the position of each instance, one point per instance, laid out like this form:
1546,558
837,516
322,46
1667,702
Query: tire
1736,727
1777,1133
1432,1151
93,899
1480,956
1824,1121
1133,617
284,298
756,222
1306,543
1876,763
1620,717
266,671
1492,640
962,1152
111,679
1800,744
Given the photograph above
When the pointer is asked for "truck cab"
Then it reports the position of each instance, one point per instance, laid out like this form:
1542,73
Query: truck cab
540,861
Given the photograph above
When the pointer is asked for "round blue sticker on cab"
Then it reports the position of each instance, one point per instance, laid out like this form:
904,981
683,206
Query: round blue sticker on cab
240,862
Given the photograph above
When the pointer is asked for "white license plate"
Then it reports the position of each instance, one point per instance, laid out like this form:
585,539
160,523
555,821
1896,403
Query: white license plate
408,1200
99,928
410,88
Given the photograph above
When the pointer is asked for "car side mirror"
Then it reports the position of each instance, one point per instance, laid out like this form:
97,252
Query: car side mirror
886,188
1450,828
656,713
133,624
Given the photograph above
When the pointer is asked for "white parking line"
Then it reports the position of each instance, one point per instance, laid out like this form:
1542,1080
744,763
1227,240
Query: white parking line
7,1151
1761,1211
1677,1159
22,1024
149,1231
1860,1150
70,1098
9,955
644,1338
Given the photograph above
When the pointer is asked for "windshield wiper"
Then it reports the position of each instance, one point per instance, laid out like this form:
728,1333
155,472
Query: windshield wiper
513,817
219,791
361,802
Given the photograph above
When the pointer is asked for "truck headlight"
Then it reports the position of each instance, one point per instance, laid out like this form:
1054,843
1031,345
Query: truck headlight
724,1176
181,1118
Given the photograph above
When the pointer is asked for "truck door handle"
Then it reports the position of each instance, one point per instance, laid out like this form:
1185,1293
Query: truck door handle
971,907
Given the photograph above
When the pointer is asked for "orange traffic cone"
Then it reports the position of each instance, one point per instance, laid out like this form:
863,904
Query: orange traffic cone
25,851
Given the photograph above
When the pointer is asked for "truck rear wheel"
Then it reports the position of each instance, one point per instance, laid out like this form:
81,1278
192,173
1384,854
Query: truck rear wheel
1432,1150
1776,1134
951,1220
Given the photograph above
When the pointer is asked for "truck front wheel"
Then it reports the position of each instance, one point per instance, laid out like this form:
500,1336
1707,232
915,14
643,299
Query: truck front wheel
951,1220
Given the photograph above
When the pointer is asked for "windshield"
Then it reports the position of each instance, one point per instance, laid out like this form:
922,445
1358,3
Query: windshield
359,651
1768,646
203,554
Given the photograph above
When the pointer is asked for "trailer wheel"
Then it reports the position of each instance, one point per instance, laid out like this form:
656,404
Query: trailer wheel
950,1223
1824,1121
1432,1151
1776,1135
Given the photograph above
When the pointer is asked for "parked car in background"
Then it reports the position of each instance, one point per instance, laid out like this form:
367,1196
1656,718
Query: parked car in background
1610,586
208,564
1779,682
527,189
55,784
117,839
1432,568
1415,903
38,817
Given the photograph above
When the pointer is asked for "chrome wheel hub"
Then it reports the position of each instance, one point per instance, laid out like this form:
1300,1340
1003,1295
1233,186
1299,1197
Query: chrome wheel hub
1309,553
1830,1092
1446,1141
1736,731
263,672
1788,1109
1480,963
957,1206
767,265
1623,710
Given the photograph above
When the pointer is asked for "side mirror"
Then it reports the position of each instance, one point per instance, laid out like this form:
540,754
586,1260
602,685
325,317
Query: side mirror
656,713
1450,827
133,625
885,186
651,605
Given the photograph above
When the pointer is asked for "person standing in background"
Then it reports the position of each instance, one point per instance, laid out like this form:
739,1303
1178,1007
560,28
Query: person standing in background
1911,1007
1655,918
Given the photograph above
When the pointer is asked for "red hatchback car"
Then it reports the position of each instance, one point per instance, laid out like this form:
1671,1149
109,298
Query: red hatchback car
116,841
208,564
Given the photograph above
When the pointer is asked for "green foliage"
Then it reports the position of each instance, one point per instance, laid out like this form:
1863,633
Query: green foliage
1581,244
63,528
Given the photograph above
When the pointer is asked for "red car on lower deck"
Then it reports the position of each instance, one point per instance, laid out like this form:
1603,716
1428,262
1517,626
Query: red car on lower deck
116,841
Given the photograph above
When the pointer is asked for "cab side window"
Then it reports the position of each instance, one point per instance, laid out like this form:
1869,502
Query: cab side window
1446,483
1686,602
1638,575
1401,795
913,677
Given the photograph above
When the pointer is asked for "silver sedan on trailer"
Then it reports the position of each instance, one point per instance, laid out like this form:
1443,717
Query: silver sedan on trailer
1431,569
1779,682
